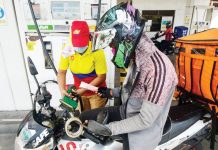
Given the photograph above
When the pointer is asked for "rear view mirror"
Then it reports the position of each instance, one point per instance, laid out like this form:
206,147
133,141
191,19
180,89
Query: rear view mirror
32,67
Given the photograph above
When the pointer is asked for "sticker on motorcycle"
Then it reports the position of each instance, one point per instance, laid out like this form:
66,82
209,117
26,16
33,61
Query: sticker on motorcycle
26,134
70,145
40,138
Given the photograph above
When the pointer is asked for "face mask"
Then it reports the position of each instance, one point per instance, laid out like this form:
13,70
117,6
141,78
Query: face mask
80,49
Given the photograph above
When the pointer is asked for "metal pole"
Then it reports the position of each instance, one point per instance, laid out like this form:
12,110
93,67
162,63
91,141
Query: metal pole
99,12
40,37
16,17
190,27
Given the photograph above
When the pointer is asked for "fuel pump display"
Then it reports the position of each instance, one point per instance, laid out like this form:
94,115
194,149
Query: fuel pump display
65,10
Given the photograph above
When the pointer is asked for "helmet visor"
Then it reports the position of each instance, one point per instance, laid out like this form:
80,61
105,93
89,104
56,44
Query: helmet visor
102,39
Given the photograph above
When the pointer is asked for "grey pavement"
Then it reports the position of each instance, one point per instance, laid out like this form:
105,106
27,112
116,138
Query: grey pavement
9,123
7,141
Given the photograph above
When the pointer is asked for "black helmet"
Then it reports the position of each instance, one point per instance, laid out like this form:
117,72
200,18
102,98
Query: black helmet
120,28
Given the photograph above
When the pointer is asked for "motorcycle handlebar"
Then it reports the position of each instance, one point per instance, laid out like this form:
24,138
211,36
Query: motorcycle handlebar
45,93
91,137
44,83
44,89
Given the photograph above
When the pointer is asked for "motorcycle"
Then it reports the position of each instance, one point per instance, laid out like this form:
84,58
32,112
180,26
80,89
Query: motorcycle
45,128
164,46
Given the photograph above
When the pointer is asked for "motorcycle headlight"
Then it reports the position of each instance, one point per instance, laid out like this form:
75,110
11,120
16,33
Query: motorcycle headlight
23,137
32,134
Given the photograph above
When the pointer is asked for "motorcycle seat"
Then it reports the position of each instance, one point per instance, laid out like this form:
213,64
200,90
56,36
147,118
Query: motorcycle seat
179,119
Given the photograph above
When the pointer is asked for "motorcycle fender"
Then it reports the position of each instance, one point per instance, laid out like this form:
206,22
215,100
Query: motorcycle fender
184,136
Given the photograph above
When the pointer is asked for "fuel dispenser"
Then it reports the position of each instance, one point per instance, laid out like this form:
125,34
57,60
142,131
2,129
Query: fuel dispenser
54,18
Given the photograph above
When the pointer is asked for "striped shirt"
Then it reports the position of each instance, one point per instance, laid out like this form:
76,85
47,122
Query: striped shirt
146,96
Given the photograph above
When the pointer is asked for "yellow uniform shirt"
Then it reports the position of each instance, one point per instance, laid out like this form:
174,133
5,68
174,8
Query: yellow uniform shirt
85,67
86,63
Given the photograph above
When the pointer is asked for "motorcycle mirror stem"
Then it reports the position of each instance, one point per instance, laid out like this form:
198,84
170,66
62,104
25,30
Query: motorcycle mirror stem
33,71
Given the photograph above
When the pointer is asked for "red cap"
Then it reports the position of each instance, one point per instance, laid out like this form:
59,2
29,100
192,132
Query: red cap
80,33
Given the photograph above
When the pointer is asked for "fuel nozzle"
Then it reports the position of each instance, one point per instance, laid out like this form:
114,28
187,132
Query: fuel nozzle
68,102
72,90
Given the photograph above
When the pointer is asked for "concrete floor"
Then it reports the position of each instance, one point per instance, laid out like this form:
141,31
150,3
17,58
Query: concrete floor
7,141
9,123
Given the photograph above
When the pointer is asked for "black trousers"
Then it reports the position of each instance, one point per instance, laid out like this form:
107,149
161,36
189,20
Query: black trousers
166,46
114,115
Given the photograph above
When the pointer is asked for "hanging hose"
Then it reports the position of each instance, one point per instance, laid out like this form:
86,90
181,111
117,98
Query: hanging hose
40,37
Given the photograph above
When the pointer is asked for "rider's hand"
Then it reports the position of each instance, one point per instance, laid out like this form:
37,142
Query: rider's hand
104,92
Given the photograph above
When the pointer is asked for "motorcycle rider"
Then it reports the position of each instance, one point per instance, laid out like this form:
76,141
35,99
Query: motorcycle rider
168,37
147,91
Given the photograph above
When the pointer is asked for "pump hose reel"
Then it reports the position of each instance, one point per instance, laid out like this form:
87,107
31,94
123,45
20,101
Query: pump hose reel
74,127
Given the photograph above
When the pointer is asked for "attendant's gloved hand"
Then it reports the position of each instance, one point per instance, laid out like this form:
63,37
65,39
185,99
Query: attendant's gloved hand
98,128
104,92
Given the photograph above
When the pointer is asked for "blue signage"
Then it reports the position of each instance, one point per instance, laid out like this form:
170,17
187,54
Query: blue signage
2,13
